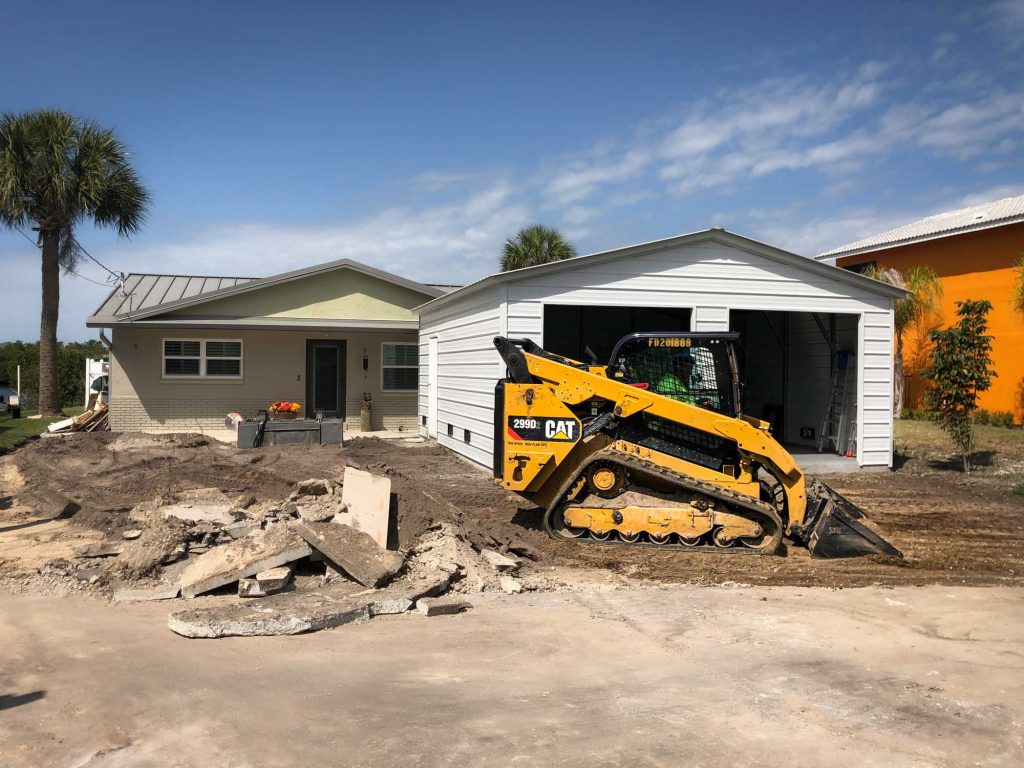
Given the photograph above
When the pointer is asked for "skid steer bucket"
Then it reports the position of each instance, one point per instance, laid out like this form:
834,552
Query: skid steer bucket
835,530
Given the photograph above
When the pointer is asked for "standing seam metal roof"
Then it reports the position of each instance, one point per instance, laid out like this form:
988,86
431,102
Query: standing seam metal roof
993,214
142,291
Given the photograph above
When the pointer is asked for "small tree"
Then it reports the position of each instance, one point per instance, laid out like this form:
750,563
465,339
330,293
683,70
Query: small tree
961,367
534,245
1018,285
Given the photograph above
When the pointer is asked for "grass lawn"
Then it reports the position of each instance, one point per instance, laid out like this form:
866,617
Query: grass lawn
998,457
14,432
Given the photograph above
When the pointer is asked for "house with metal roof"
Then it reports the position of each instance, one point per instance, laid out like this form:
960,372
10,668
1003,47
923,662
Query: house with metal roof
806,328
185,350
976,252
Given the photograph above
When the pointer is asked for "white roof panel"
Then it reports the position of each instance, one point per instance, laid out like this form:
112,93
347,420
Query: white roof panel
994,214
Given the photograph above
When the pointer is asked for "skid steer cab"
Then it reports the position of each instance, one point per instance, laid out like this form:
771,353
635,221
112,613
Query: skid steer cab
652,449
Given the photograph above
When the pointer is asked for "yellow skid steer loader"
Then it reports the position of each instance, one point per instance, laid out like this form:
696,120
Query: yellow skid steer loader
653,450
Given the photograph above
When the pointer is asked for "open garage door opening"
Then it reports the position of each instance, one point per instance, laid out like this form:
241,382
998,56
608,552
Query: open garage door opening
569,330
799,372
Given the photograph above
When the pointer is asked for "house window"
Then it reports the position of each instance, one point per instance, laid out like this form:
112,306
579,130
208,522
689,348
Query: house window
202,359
399,367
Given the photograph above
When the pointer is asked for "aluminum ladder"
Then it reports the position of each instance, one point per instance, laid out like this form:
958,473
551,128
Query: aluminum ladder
834,424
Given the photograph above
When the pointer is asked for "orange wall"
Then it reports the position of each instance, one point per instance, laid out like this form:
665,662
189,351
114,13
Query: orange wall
974,265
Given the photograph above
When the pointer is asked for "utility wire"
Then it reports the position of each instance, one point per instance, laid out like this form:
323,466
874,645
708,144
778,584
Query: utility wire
22,233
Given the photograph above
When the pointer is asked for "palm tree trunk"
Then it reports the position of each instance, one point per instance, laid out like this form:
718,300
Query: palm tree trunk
899,385
49,393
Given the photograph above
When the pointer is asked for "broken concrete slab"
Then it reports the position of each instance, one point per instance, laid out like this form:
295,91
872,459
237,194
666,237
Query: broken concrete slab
204,505
510,586
499,561
320,510
102,549
441,606
368,500
390,605
355,552
292,614
265,583
147,594
312,487
241,528
243,557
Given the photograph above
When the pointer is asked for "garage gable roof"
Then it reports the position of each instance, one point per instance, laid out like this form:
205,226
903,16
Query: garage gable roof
715,234
143,296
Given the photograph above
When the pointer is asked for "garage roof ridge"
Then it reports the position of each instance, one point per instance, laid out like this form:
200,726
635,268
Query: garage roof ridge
717,234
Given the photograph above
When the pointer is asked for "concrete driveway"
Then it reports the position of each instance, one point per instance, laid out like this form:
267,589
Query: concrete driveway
675,676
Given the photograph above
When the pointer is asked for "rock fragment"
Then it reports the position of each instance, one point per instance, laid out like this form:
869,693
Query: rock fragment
312,487
510,586
441,606
134,533
500,562
265,583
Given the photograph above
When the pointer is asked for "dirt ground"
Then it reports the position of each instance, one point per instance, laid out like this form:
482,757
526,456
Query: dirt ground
671,676
953,529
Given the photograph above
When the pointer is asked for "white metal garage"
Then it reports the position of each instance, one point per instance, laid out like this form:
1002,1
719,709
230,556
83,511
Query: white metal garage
797,317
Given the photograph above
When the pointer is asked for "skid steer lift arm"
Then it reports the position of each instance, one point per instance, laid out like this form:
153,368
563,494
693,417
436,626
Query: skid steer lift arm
653,450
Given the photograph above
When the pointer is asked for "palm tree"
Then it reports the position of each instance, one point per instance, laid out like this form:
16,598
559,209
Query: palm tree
1018,284
535,244
925,293
57,170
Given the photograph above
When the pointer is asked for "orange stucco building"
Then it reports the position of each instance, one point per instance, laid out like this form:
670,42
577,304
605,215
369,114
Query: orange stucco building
973,250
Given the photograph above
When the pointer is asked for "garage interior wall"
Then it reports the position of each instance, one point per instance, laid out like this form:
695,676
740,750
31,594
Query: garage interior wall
568,330
786,367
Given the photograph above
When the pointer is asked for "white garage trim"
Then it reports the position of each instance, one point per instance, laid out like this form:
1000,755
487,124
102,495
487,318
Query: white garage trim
709,274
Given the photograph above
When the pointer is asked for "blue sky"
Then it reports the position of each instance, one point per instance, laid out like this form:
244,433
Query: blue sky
417,136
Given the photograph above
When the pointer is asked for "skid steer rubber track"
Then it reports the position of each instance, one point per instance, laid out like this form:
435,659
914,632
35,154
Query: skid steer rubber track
739,503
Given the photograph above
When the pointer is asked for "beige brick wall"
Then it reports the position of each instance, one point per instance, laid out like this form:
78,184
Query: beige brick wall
274,368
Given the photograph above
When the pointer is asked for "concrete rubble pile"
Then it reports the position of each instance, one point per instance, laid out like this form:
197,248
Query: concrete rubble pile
323,557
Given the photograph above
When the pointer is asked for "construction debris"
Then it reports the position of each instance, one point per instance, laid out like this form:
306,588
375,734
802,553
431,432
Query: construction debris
201,505
146,594
90,421
265,583
441,606
355,552
499,561
291,614
277,545
367,499
510,586
312,487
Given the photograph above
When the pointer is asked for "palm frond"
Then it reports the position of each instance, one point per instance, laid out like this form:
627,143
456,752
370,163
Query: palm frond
534,245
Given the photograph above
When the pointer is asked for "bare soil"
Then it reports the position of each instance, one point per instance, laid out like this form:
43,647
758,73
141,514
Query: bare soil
953,529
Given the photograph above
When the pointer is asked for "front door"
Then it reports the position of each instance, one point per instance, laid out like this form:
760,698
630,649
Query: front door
325,378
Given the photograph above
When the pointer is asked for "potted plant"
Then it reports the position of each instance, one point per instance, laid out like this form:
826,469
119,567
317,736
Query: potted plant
284,410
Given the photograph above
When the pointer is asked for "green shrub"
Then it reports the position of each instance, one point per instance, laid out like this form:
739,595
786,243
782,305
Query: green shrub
917,414
1002,419
982,417
1017,490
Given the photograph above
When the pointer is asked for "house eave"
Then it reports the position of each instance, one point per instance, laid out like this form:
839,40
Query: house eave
257,324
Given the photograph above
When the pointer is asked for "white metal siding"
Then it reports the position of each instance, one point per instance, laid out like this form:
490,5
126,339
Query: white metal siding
875,361
709,278
710,319
468,367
